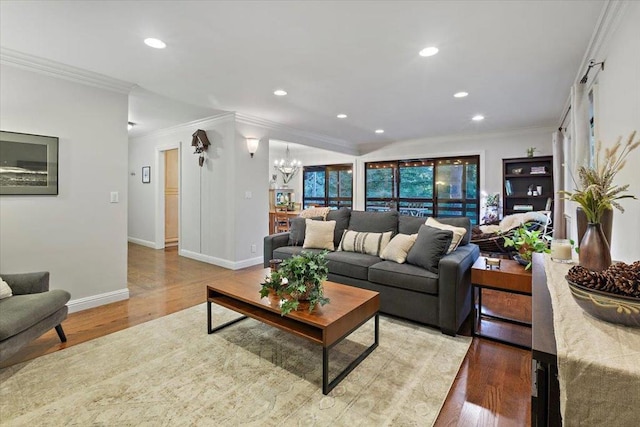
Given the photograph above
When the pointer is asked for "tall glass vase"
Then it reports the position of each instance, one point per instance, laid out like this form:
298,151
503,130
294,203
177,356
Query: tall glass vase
595,254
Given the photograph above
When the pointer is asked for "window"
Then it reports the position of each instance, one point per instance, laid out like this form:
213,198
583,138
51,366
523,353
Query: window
330,185
444,187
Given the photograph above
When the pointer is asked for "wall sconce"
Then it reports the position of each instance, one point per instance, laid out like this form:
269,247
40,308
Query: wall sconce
252,145
201,142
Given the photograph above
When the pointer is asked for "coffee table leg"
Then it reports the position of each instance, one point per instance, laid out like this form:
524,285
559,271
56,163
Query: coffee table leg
328,386
211,330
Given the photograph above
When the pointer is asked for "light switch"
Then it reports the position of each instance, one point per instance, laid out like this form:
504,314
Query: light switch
114,197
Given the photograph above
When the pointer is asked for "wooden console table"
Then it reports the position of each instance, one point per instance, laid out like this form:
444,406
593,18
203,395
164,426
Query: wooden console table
545,390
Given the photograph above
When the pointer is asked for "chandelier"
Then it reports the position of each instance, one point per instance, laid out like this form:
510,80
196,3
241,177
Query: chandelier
287,167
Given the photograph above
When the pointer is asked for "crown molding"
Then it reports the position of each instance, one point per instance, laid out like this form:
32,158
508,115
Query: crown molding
189,126
63,71
608,21
323,141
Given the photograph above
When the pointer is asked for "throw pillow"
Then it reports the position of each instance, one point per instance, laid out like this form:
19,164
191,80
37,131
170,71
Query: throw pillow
399,247
297,229
364,243
319,234
458,232
431,245
312,213
5,289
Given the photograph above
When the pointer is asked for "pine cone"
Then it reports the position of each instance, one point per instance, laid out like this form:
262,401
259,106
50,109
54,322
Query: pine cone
619,278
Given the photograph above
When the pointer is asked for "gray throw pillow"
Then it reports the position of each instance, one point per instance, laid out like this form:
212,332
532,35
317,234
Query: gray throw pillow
430,246
341,217
297,230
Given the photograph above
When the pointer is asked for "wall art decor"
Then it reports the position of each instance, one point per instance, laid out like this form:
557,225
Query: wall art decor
28,164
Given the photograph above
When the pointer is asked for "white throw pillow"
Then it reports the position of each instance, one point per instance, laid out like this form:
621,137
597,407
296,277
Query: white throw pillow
315,212
399,247
319,234
364,243
5,289
458,232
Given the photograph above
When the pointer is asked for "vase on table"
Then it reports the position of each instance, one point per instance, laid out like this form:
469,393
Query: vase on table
606,221
595,254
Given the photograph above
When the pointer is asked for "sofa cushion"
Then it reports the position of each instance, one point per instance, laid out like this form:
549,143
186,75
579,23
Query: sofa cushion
364,243
374,222
351,264
286,252
431,245
458,232
319,234
20,312
409,224
404,276
297,228
399,247
463,222
341,217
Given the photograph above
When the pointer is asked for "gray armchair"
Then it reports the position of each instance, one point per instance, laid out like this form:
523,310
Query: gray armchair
30,312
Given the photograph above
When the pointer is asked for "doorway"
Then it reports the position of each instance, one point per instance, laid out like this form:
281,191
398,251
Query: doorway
171,197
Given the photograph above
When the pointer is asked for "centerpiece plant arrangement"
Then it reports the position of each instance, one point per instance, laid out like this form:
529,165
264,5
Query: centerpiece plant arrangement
297,279
527,242
596,193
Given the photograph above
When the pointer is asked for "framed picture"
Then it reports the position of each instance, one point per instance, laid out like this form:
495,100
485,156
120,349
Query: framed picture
146,174
28,164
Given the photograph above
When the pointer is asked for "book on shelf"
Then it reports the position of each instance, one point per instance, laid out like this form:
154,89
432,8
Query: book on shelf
536,170
524,208
507,188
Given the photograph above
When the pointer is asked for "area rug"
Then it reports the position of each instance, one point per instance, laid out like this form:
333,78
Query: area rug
169,372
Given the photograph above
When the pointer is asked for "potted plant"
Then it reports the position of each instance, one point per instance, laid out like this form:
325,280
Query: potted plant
596,194
527,242
298,278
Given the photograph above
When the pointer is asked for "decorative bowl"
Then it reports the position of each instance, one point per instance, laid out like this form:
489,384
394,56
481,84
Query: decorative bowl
612,308
516,171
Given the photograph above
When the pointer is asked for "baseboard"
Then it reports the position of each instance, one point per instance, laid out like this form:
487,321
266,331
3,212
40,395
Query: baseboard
97,300
221,262
141,242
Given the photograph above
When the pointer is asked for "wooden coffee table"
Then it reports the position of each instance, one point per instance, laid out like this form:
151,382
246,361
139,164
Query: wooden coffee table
327,325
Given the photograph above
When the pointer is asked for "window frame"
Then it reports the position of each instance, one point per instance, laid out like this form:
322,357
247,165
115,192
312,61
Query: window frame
327,200
396,202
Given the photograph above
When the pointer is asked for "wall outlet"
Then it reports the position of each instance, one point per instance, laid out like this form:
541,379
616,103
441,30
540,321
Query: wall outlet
253,249
248,195
114,197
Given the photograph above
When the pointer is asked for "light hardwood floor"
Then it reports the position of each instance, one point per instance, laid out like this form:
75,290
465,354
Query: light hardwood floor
493,386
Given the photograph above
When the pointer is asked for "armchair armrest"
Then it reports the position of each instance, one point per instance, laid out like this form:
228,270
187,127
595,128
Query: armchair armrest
27,283
273,242
454,287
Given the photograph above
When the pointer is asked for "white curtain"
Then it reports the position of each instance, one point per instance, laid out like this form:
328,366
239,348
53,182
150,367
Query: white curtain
559,231
580,126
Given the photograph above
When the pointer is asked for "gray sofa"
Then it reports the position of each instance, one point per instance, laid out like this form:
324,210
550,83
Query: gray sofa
30,312
441,299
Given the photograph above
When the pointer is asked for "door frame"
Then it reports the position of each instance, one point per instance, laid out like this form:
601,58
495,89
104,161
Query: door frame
159,191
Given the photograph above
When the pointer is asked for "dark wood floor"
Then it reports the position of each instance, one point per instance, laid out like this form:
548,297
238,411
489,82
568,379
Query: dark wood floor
492,388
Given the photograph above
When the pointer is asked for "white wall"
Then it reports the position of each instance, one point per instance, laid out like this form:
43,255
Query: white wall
618,114
223,205
78,235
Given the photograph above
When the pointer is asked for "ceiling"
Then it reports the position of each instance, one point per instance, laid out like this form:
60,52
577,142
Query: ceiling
517,60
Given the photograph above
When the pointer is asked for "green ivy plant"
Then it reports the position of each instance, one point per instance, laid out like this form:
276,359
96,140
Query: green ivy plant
528,242
298,278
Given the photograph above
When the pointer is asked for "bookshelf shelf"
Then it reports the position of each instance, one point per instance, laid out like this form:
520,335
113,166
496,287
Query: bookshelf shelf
515,186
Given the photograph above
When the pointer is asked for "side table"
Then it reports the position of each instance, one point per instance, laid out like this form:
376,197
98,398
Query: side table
511,278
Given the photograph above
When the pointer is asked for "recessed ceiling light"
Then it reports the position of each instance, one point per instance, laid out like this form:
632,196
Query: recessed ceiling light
379,130
428,51
477,117
280,92
155,43
341,116
460,94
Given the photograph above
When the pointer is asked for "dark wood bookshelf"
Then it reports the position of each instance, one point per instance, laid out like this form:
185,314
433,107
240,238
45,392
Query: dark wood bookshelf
515,185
